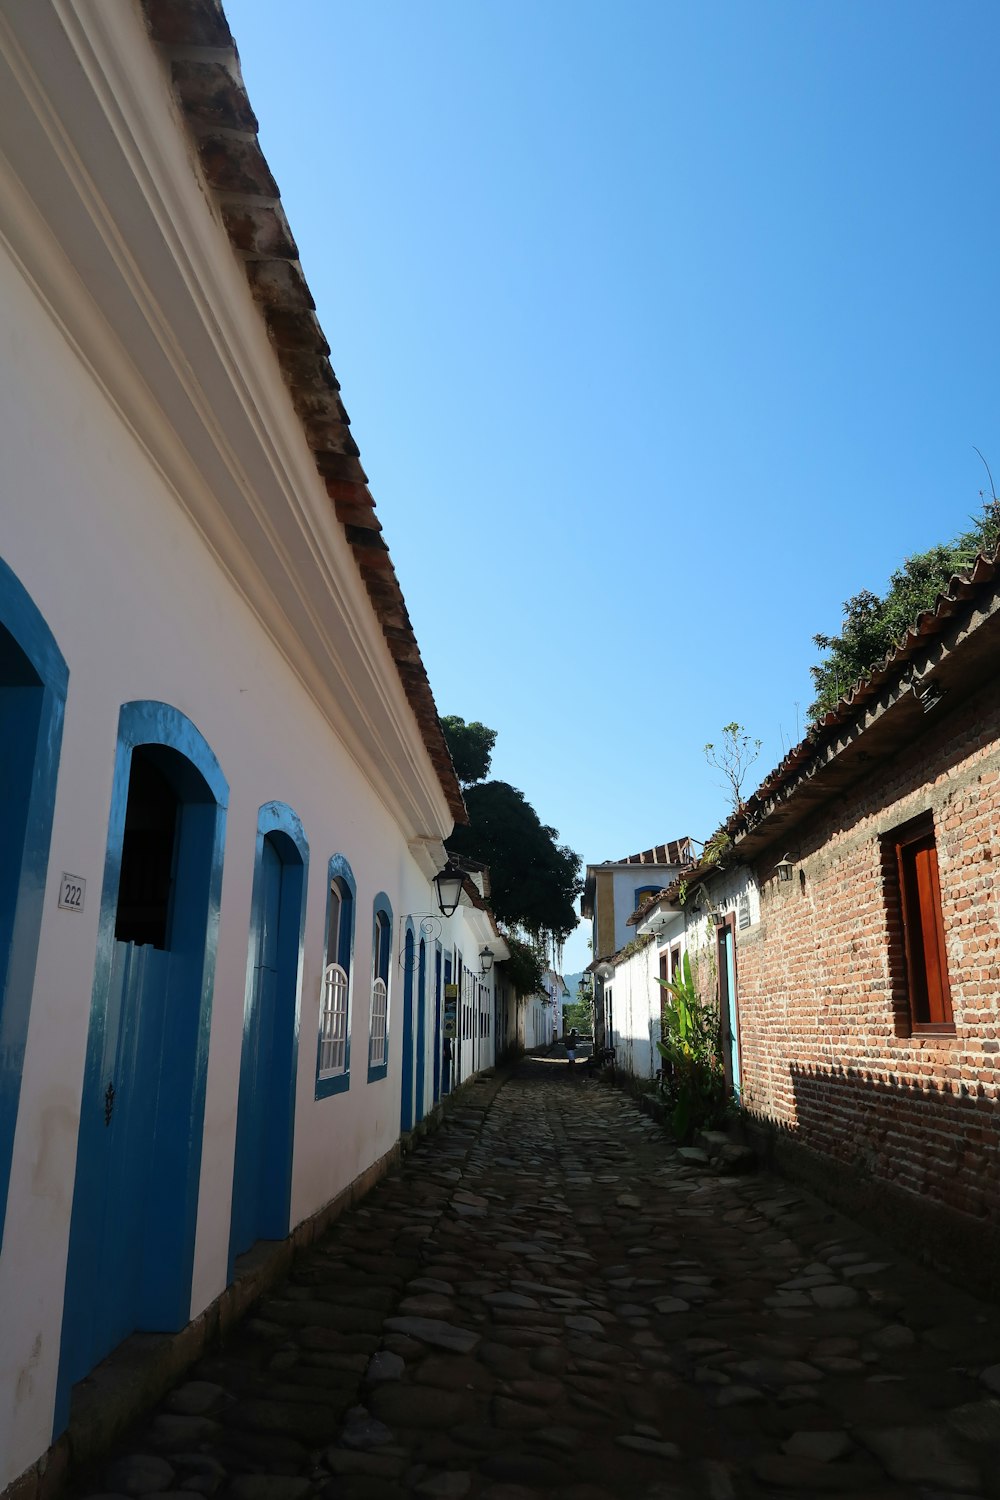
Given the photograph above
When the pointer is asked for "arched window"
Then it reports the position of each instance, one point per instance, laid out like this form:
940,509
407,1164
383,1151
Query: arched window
378,1032
333,1062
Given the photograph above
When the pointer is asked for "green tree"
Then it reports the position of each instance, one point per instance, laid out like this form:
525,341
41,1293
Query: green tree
533,880
471,747
873,625
580,1012
525,967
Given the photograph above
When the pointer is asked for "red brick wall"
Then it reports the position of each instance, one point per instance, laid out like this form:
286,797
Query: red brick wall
821,1049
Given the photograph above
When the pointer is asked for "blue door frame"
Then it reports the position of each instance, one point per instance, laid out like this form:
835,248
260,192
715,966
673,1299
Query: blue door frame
33,682
143,1099
265,1122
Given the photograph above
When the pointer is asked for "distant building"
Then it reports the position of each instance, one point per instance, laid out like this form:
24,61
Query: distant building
616,888
613,892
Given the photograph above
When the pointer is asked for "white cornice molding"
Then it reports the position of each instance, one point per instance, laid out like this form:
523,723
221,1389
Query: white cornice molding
166,325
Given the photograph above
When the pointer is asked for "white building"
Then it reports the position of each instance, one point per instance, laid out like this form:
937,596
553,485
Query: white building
612,893
700,916
222,980
616,888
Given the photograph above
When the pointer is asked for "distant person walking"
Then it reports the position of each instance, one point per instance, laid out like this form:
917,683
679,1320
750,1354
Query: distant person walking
571,1048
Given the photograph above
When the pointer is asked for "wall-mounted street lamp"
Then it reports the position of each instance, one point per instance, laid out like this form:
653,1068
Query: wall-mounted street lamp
485,961
931,696
784,867
604,971
448,884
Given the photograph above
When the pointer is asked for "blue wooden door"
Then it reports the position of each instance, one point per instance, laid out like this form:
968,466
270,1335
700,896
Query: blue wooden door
421,1027
135,1198
406,1085
133,1044
438,1039
262,1169
727,986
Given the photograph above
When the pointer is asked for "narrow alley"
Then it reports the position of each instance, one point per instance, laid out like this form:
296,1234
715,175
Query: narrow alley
548,1299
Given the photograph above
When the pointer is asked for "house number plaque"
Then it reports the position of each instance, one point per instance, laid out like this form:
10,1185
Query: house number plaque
72,889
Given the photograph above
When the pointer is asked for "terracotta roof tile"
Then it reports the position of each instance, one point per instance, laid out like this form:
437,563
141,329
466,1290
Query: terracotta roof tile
198,47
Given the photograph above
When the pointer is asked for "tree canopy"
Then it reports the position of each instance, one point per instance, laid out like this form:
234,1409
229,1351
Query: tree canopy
873,625
525,967
471,747
533,879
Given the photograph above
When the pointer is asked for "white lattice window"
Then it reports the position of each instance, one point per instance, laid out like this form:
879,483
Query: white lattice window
333,1022
380,997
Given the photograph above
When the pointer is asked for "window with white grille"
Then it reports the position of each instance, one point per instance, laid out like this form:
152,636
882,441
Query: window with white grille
333,1022
333,1052
380,997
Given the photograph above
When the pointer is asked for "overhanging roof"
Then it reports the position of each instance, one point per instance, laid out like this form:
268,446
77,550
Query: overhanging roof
950,651
194,38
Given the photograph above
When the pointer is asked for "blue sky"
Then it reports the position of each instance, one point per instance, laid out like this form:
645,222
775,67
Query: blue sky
663,327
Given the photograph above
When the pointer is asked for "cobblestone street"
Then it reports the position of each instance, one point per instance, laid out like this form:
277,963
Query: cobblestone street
547,1299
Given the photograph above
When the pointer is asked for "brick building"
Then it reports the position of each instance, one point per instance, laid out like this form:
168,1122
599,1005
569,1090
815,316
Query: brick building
867,965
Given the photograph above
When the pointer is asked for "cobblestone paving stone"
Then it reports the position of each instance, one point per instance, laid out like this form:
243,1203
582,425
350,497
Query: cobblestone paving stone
547,1299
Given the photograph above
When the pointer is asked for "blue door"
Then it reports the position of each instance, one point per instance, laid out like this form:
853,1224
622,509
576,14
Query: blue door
437,1025
131,1246
406,1085
134,1034
728,1007
33,679
262,1173
449,1043
421,1027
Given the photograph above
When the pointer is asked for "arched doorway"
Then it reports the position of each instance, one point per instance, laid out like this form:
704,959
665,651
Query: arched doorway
262,1171
33,682
135,1199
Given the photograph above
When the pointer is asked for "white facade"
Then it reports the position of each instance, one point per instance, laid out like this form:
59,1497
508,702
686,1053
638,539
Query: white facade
536,1020
633,995
163,513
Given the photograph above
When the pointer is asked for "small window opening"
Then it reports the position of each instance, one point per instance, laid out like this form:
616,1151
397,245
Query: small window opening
143,915
921,979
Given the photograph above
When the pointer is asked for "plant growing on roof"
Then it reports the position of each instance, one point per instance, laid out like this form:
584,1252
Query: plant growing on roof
691,1048
717,847
733,756
873,624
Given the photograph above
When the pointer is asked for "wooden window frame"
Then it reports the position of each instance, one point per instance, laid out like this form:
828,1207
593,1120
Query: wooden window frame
913,906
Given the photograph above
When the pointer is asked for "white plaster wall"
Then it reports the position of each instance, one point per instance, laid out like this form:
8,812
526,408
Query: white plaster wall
626,882
141,609
637,1012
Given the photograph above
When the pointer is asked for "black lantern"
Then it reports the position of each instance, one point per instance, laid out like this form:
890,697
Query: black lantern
784,867
448,883
485,961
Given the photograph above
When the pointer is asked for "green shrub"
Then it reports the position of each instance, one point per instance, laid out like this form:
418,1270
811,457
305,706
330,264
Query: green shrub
694,1083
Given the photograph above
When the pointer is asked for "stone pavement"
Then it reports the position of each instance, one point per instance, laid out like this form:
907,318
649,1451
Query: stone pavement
547,1299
